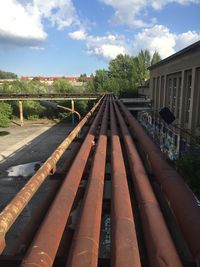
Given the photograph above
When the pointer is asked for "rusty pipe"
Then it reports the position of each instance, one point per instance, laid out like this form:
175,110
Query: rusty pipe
180,197
17,204
124,246
56,105
44,247
84,249
161,251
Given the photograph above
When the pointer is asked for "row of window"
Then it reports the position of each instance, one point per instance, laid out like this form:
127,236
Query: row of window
167,91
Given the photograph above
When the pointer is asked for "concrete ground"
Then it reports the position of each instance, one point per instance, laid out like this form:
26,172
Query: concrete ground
32,142
28,144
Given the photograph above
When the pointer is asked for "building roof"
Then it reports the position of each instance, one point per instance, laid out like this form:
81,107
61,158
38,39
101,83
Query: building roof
53,78
180,53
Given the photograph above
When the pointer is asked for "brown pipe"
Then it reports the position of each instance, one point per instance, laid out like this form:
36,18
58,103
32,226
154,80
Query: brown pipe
44,247
161,251
124,246
17,204
84,249
181,198
36,218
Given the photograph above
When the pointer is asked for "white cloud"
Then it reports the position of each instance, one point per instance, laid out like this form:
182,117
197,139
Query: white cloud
21,23
128,11
18,23
185,39
107,47
159,38
78,35
107,51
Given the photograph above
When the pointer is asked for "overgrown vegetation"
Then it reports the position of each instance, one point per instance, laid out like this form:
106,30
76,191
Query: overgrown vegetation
5,114
124,75
7,75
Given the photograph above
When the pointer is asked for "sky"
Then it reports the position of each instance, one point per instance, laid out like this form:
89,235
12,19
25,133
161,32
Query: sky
72,37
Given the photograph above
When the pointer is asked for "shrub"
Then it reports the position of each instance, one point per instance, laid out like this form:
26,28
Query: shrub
5,113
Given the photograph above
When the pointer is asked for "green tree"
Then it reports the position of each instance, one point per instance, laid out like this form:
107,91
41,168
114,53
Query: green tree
62,86
141,65
82,77
7,75
5,114
156,58
101,81
121,69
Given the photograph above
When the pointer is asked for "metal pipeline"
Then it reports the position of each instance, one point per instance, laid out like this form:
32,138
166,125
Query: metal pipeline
124,246
18,203
84,249
180,197
44,247
161,250
56,105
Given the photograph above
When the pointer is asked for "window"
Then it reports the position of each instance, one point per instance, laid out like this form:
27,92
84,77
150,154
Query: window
178,97
162,91
170,93
174,95
188,97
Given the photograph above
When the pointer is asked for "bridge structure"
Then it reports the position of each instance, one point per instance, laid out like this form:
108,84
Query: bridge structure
48,96
116,202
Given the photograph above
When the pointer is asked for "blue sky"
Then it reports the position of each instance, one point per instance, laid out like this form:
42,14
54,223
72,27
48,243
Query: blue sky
70,37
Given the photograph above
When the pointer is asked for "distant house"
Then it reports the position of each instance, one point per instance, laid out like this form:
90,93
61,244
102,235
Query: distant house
74,80
175,83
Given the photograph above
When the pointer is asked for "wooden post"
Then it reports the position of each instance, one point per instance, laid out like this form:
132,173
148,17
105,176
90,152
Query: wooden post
21,113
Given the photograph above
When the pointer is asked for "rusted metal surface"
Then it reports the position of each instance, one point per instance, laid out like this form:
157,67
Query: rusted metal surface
180,197
48,96
161,249
15,207
56,244
56,105
124,246
27,235
21,117
84,249
44,247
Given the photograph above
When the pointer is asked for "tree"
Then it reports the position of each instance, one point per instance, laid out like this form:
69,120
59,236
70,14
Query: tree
101,80
156,58
141,65
7,75
82,77
63,86
5,113
121,71
124,75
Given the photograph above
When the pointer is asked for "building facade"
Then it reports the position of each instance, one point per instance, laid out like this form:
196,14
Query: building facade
175,83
